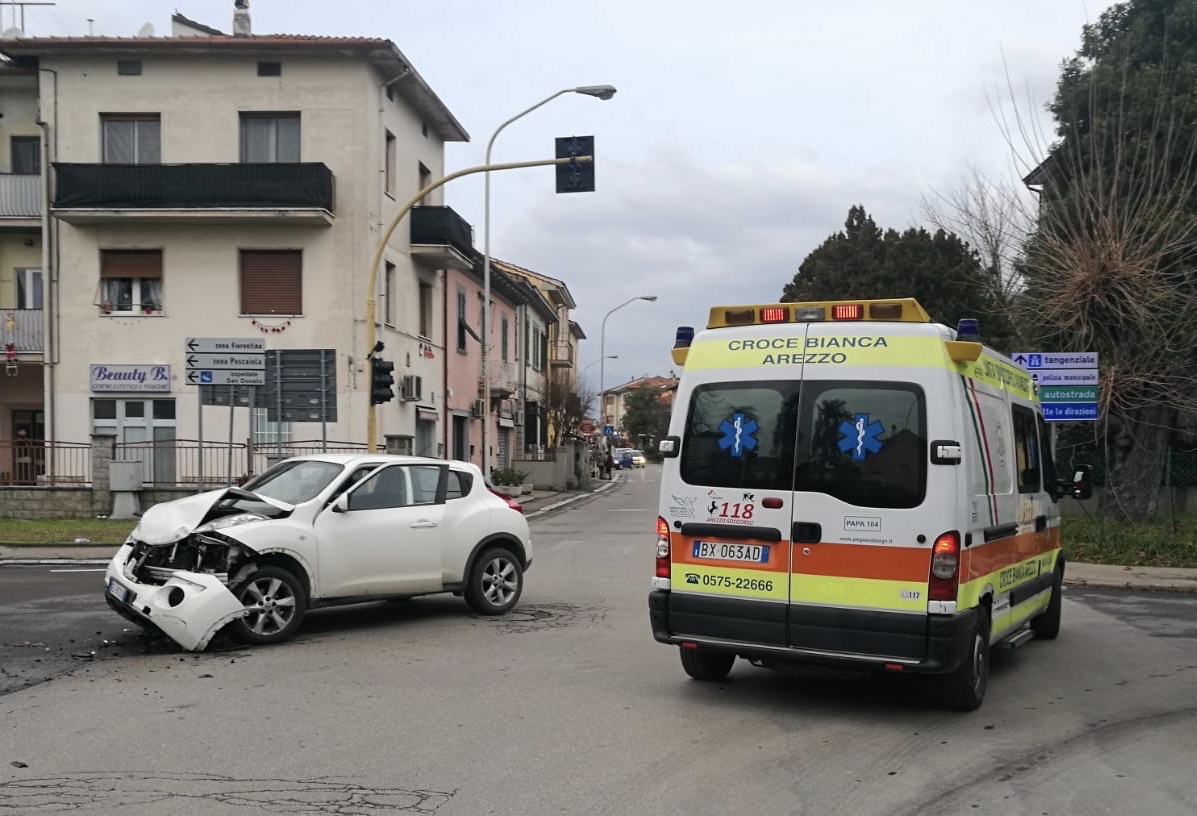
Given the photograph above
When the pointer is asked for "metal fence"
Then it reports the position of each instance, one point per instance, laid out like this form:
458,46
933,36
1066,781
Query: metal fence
1179,470
535,453
41,463
175,463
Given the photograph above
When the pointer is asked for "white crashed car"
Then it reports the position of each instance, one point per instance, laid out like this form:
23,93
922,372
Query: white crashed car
317,531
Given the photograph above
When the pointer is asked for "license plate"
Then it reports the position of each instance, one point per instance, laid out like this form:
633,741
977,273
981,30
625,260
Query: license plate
720,551
116,590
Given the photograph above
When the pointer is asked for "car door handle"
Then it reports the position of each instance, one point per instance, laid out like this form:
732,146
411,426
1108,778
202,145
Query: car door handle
423,525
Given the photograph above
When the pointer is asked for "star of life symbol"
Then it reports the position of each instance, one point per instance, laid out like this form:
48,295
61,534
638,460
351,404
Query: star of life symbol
738,433
859,436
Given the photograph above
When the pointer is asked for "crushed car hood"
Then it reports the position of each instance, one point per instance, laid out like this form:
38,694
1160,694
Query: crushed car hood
168,522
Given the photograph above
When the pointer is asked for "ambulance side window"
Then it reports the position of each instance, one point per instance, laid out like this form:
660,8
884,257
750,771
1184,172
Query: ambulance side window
1050,481
1026,450
741,435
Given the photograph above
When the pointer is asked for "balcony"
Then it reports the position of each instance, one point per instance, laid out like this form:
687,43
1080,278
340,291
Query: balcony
561,355
504,379
22,328
20,200
204,193
440,238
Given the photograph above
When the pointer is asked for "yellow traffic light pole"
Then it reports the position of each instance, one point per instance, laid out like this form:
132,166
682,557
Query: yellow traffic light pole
371,335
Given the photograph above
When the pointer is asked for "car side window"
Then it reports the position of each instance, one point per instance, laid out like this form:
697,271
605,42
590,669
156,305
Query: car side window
385,489
425,480
459,485
353,478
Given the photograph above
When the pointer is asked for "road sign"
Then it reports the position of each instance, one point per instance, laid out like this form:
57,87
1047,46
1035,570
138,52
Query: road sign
216,345
1065,376
249,362
1069,411
1065,382
1068,393
586,427
1033,360
225,361
225,377
608,430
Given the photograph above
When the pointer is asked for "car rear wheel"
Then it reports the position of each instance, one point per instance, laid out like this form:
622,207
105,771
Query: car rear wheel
964,689
276,603
496,582
707,665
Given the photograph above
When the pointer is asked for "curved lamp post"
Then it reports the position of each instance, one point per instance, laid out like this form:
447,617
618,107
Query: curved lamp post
603,92
603,352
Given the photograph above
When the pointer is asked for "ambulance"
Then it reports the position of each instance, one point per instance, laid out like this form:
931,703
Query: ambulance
853,485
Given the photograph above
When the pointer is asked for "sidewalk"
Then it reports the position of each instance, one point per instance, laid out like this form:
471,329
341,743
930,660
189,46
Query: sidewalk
537,504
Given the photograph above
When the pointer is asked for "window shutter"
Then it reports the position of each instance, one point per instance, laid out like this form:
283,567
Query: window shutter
272,282
131,263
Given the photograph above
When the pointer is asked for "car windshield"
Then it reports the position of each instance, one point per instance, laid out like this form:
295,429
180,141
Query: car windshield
294,482
637,454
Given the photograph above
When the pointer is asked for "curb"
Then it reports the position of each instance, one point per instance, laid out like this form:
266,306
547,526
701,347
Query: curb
1173,587
577,498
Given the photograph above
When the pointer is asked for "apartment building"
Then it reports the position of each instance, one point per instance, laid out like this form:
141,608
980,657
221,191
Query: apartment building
615,400
561,341
219,185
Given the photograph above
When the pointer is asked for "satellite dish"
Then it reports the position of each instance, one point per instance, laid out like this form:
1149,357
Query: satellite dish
13,33
146,30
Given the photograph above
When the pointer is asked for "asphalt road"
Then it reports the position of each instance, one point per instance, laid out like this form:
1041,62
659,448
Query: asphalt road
569,706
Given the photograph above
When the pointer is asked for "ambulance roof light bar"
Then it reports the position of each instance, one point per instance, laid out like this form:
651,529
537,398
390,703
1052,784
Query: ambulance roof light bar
905,310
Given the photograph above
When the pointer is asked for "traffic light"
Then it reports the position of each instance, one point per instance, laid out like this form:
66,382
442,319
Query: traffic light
381,381
575,177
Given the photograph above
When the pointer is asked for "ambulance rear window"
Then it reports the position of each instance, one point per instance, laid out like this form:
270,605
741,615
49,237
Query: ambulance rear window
864,443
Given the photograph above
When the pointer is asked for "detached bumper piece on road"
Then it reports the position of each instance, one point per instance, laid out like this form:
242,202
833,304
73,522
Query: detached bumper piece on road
189,607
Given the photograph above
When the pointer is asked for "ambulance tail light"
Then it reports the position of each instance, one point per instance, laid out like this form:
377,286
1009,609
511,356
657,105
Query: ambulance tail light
775,314
945,568
663,566
847,311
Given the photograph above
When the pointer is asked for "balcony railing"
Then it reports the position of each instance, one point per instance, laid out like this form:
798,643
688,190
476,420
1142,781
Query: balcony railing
22,328
278,190
20,196
441,236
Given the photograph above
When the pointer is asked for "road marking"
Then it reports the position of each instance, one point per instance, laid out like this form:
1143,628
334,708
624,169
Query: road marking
101,569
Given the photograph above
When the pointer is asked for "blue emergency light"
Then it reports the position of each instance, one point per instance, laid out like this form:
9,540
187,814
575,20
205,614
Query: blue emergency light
684,337
968,329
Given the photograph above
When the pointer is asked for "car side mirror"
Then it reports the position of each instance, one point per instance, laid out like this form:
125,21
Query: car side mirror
1082,482
341,505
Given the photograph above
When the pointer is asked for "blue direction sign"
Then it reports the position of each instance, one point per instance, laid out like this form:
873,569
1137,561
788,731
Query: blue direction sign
1065,382
608,430
1069,411
1034,360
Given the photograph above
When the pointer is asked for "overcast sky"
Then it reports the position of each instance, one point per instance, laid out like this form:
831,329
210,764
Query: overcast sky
740,136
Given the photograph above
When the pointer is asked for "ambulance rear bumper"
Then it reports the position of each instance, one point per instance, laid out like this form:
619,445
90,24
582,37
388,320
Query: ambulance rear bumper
843,638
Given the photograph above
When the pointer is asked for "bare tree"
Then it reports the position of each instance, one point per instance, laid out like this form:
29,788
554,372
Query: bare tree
995,218
1109,266
566,406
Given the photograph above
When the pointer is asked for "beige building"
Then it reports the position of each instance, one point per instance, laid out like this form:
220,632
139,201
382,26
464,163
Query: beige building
220,186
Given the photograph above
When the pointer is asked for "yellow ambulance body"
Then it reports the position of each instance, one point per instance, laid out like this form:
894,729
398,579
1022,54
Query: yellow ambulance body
852,484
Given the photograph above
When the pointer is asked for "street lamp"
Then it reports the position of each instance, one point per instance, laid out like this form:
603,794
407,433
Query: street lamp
603,352
603,92
595,362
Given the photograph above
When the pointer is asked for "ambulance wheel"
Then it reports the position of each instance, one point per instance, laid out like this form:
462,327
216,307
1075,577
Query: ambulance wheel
1046,625
707,665
964,689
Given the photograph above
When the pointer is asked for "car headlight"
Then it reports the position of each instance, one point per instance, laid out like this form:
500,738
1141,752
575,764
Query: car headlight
230,521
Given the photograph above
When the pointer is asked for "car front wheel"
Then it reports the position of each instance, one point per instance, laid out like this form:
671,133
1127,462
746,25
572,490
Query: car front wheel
275,602
495,582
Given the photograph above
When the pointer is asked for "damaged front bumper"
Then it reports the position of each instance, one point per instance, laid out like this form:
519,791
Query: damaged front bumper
188,607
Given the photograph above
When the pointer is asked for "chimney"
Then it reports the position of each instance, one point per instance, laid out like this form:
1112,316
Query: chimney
241,18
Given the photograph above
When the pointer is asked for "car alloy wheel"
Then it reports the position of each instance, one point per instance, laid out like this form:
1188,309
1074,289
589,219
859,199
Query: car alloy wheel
275,604
495,583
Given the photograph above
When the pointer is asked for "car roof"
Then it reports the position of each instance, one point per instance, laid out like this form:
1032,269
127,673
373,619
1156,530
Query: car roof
363,457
